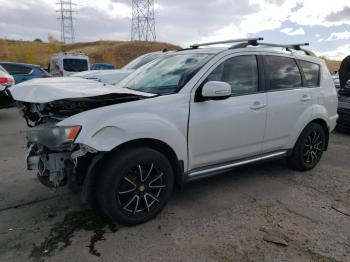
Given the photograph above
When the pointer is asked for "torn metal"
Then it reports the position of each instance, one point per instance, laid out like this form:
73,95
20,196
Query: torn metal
50,151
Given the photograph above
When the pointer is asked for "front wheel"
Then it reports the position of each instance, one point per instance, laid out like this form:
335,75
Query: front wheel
135,185
309,148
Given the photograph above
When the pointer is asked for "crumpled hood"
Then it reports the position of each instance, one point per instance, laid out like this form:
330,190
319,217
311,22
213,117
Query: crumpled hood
106,76
44,90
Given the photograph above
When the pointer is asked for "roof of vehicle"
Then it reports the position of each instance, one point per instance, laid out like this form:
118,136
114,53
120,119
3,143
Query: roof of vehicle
70,54
21,64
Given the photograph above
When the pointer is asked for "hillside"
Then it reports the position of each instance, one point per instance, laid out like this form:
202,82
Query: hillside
332,64
116,52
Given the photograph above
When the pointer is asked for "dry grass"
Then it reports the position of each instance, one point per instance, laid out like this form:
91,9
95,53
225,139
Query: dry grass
332,64
116,52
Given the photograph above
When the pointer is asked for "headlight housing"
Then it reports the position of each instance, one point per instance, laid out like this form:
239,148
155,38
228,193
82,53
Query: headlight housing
53,136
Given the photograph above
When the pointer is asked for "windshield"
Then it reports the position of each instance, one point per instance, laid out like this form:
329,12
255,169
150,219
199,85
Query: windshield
167,75
141,60
75,65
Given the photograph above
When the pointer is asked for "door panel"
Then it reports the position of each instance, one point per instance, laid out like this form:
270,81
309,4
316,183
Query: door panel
285,108
230,129
225,130
287,100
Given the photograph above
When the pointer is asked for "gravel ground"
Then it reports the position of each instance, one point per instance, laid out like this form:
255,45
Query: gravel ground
229,217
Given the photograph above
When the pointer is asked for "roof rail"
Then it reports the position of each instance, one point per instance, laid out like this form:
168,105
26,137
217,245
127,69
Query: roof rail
288,47
251,41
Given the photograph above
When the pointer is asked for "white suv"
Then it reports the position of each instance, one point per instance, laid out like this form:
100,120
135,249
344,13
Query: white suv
188,115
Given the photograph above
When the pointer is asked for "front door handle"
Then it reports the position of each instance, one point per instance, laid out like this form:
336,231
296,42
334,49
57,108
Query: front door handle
257,105
305,98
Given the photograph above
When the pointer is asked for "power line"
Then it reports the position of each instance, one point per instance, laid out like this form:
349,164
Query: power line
143,22
66,16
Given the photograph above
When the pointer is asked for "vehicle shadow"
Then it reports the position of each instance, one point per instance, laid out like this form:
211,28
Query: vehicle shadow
342,130
244,172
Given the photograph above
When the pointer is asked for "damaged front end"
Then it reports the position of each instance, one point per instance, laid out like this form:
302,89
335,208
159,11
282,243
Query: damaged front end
46,102
51,152
51,148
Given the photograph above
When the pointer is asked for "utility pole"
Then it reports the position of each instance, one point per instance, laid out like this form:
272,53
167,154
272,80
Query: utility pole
143,22
66,16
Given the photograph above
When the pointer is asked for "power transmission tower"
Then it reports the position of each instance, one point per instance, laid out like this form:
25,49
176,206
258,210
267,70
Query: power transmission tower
66,16
143,22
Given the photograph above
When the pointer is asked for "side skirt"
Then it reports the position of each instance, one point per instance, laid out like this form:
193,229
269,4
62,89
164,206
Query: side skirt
212,170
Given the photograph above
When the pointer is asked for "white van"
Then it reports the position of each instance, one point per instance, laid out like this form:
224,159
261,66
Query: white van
65,64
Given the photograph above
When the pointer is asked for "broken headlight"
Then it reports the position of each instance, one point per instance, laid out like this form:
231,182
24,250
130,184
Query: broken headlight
52,136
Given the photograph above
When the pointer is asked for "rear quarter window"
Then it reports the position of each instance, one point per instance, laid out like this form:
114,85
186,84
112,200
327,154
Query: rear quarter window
311,73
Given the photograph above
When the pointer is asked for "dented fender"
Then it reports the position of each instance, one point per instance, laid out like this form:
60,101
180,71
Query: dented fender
103,129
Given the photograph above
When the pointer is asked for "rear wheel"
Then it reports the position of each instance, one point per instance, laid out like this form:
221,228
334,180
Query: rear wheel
135,185
309,148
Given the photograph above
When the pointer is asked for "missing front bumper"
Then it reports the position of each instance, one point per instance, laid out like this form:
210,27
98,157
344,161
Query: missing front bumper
53,167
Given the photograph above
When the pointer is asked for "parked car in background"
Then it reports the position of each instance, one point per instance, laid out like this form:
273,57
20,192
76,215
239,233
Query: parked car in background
188,115
113,77
344,106
22,72
336,80
101,66
66,64
6,80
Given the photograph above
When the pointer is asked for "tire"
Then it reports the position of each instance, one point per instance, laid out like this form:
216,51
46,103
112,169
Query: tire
134,185
309,148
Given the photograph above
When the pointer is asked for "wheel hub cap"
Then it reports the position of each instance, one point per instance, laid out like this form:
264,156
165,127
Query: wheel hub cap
141,188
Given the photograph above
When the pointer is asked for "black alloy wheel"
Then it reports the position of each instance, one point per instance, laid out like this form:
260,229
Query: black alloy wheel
309,148
134,185
313,147
140,189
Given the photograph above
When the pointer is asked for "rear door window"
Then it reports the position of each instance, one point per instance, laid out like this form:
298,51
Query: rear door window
282,73
75,65
311,73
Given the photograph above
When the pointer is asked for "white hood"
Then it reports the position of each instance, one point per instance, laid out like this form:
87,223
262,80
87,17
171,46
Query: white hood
111,77
44,90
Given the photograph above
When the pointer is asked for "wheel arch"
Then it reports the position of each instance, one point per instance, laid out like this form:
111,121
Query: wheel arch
89,184
160,146
324,125
319,121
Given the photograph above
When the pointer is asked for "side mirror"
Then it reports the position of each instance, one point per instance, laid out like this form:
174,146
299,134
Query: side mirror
216,90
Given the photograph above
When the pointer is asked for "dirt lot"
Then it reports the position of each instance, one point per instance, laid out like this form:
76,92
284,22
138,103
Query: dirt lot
224,218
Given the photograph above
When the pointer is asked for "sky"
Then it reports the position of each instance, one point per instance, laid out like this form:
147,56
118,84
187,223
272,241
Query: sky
324,24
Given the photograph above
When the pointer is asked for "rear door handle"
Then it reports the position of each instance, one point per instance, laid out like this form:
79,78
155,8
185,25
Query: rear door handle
305,98
257,105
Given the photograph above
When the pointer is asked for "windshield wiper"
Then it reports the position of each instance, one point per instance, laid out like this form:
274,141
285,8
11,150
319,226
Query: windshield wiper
140,90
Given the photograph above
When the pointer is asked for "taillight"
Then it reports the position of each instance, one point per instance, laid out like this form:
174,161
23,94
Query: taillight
61,73
5,80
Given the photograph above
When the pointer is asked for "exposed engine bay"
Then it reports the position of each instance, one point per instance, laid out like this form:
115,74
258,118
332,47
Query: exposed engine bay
55,111
51,149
